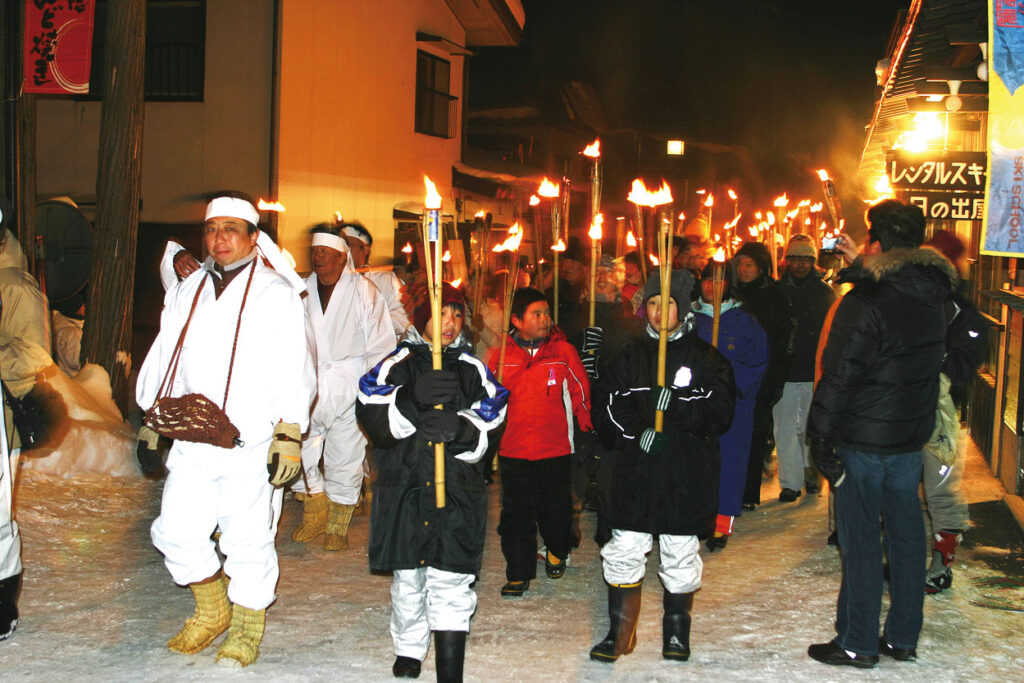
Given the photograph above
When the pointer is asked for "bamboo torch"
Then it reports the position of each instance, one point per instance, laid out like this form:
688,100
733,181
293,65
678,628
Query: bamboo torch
511,244
780,204
829,188
718,285
432,239
538,248
551,191
640,196
595,235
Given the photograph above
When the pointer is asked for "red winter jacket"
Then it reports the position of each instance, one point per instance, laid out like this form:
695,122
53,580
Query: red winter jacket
546,389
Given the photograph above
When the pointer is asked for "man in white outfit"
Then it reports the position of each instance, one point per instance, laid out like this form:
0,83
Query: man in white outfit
353,331
245,350
24,351
360,242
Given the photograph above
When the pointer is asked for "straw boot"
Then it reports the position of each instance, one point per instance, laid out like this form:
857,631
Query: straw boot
314,518
242,647
338,518
212,616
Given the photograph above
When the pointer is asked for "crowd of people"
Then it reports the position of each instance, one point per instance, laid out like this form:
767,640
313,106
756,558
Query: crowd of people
660,416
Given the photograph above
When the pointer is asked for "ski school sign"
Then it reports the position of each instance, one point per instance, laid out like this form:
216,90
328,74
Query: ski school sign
58,46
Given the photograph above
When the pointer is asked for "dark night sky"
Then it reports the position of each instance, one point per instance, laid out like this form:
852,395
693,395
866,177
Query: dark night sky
790,81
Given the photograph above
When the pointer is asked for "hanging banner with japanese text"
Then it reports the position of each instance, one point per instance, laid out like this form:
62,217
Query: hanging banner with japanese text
1003,228
58,46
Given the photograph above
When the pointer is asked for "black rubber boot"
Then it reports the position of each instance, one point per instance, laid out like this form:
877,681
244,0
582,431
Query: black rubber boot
405,667
9,588
449,654
675,626
623,611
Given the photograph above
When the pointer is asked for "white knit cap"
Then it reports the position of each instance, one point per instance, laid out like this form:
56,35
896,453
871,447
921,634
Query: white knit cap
232,207
326,239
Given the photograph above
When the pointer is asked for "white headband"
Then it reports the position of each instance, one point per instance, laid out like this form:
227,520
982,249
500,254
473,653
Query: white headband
232,207
352,232
325,239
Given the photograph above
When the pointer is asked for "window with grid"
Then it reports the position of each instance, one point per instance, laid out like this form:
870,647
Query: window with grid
435,105
175,50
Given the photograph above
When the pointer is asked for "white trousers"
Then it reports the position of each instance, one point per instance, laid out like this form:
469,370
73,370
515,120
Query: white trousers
206,488
334,434
791,445
425,600
625,560
10,539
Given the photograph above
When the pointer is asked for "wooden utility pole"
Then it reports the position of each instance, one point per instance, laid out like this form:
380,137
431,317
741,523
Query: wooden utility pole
107,338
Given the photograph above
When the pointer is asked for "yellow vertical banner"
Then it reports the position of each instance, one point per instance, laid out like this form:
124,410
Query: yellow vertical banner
1003,228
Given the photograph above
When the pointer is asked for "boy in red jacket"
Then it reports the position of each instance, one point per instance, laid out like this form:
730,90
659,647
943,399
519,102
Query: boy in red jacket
548,386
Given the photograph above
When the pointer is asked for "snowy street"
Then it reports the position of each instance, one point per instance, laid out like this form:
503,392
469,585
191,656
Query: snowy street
97,603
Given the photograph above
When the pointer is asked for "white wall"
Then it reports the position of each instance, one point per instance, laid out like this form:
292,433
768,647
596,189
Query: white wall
189,148
348,77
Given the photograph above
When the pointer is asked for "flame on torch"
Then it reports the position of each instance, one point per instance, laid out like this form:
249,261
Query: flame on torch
771,219
753,231
682,216
432,199
407,249
815,208
640,195
781,201
595,232
337,217
447,256
654,260
513,241
804,202
534,200
559,246
480,214
732,195
710,201
547,189
270,206
593,150
456,283
630,239
822,174
719,255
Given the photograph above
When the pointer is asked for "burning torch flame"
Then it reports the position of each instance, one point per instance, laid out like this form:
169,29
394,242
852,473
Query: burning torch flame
639,194
270,206
781,201
718,237
595,232
447,256
792,214
534,200
513,241
338,218
547,189
407,249
433,199
757,215
480,214
560,246
456,283
702,191
771,219
732,224
710,201
823,174
630,239
654,260
719,256
804,202
753,231
682,216
593,150
732,195
815,208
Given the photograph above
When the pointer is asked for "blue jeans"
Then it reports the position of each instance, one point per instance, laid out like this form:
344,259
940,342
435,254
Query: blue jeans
880,487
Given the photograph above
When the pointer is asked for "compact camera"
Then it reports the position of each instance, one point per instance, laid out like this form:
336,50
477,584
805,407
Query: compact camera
830,245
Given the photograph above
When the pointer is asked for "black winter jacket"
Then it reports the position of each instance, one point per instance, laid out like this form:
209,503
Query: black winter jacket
881,362
810,299
674,492
407,530
764,299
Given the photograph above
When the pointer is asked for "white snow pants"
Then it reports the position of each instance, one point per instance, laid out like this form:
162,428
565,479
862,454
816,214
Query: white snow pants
209,487
625,560
425,600
334,434
10,539
791,445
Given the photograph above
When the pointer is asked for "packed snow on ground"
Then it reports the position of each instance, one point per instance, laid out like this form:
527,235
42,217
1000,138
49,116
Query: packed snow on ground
97,603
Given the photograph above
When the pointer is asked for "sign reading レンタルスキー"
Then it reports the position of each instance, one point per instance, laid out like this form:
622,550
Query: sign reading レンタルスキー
962,171
58,46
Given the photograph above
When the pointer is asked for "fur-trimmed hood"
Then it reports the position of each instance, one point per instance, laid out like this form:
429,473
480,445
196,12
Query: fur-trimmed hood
919,273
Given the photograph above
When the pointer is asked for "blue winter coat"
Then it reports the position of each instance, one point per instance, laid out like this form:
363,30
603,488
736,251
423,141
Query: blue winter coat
745,344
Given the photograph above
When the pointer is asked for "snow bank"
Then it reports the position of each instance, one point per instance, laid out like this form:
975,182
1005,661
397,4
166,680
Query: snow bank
99,441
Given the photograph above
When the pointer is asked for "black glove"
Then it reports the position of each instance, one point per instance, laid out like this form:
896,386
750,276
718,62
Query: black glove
146,451
436,387
589,361
652,442
439,426
592,338
831,467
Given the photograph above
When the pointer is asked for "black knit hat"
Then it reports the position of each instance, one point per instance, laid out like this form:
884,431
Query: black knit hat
680,287
758,253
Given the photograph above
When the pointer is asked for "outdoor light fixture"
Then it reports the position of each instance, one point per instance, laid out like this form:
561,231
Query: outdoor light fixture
983,65
954,102
675,148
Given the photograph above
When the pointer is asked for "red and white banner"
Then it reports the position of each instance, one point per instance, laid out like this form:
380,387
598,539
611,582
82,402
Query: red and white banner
58,46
